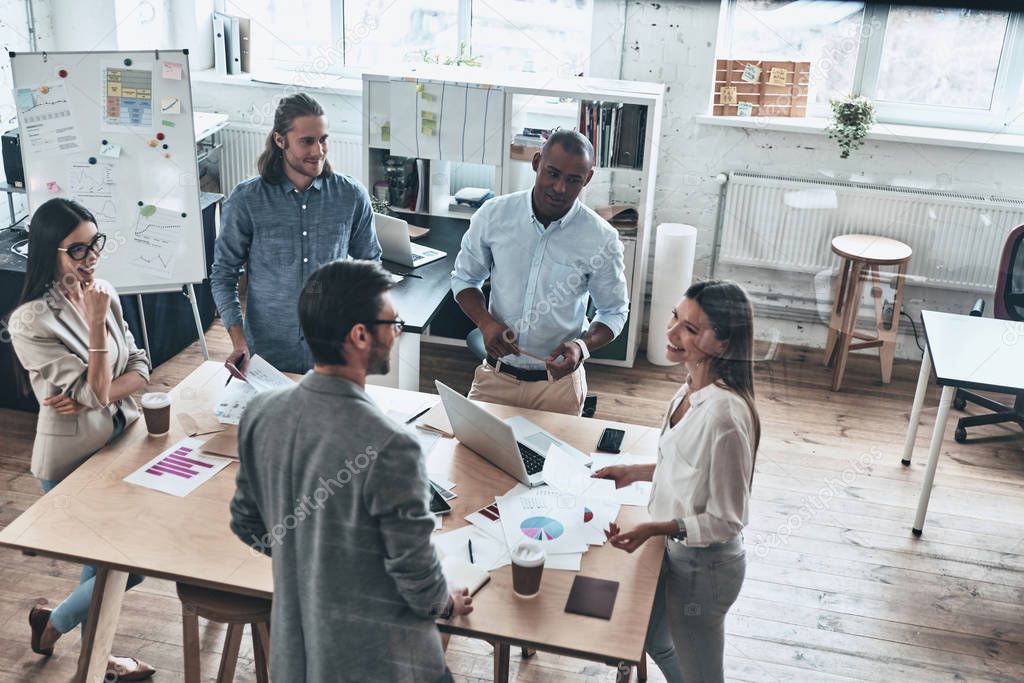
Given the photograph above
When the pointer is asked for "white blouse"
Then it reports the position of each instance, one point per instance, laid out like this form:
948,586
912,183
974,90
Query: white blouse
704,466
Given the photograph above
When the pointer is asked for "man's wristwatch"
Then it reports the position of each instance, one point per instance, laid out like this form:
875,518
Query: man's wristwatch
583,348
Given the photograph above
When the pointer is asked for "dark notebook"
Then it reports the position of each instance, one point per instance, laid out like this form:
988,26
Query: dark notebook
592,597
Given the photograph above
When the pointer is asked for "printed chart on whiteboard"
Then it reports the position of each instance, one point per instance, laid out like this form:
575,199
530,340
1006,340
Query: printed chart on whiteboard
129,96
48,126
156,237
95,187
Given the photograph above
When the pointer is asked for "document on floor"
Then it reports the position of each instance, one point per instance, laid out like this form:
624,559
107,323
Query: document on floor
638,493
260,376
179,470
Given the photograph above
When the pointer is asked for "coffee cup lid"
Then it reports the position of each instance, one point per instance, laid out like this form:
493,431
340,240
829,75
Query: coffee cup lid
156,399
528,554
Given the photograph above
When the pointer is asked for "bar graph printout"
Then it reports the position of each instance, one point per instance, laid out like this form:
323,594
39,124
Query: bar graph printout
179,470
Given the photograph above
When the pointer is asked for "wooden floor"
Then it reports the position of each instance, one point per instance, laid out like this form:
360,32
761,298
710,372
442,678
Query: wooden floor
837,588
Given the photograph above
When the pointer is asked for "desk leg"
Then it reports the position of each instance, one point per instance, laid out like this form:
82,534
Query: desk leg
501,661
641,668
915,410
10,206
104,610
405,365
933,457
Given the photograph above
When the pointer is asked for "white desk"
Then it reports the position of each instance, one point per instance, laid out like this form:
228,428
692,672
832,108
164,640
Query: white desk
966,352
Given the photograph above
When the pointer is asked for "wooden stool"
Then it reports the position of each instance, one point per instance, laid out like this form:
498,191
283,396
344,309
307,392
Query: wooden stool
861,257
226,608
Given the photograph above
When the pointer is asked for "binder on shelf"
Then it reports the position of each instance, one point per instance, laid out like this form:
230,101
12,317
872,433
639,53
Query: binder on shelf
219,45
245,49
233,51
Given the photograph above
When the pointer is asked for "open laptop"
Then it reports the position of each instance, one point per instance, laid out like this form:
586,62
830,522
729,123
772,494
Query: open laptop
516,446
393,234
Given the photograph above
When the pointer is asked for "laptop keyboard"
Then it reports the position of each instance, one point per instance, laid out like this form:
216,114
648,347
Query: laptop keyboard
533,460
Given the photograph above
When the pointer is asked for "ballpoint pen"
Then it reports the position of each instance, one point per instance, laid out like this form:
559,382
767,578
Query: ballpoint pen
232,368
418,277
471,560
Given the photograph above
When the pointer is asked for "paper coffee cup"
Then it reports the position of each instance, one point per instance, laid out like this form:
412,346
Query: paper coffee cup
156,408
527,568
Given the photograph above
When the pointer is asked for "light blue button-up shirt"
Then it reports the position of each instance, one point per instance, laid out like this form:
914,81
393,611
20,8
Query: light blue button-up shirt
541,278
283,235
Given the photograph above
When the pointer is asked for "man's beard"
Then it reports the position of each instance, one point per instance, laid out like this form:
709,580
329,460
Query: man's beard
379,362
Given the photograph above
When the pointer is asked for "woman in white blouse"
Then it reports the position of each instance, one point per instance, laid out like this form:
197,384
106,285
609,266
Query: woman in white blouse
702,479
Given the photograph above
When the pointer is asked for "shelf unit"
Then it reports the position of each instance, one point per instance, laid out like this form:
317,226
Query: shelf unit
527,101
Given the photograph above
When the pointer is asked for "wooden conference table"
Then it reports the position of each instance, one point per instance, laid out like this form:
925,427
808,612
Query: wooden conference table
968,352
94,517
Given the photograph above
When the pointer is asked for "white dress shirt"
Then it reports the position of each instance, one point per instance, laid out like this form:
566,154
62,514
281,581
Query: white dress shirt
541,277
704,466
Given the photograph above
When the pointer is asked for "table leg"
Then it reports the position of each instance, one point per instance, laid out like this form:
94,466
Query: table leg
501,661
527,652
915,410
107,594
933,457
641,668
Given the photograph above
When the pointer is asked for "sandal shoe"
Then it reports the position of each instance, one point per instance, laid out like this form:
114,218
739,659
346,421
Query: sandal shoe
38,618
136,671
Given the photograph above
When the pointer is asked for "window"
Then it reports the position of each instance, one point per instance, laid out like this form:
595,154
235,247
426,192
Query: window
332,36
960,68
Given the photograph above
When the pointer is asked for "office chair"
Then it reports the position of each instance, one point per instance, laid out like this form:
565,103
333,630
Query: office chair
475,342
1008,304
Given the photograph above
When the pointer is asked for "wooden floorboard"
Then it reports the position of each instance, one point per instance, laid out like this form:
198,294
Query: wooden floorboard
837,588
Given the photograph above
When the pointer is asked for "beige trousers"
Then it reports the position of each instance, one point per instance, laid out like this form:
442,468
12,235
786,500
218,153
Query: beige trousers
561,396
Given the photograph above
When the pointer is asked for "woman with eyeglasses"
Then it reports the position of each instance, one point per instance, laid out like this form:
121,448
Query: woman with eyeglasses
702,479
74,351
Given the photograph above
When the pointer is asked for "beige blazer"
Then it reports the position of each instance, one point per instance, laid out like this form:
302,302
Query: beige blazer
52,343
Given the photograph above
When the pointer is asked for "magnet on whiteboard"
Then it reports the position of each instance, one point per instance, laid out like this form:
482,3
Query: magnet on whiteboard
127,61
159,136
152,143
63,73
44,89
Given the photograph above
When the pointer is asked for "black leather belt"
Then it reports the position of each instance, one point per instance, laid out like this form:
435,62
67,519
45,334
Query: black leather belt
519,373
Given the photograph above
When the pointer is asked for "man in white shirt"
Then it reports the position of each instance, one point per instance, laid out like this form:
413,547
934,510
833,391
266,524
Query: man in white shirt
546,254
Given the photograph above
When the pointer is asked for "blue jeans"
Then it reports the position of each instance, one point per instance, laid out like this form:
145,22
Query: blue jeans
686,633
75,608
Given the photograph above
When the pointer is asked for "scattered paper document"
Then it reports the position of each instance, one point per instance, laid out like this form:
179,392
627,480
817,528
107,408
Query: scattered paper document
638,493
566,473
550,517
179,470
461,574
260,376
488,552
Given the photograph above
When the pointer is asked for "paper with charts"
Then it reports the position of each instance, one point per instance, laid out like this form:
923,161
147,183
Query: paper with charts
47,123
155,240
128,97
550,517
179,470
94,186
637,493
260,376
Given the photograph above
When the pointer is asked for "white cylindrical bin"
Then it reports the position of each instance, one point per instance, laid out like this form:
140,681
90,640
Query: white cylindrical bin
674,250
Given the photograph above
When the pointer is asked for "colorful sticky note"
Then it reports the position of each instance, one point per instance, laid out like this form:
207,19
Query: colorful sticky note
744,109
728,95
148,210
385,133
168,123
419,87
23,98
777,76
428,97
428,116
110,150
428,128
751,73
170,105
53,187
171,70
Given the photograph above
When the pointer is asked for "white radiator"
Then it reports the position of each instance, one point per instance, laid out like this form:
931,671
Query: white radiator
244,144
788,224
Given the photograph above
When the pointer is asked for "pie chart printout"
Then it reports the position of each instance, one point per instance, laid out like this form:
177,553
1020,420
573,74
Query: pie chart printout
588,514
541,528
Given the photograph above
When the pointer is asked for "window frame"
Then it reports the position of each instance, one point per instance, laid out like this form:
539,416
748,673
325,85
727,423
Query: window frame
1006,88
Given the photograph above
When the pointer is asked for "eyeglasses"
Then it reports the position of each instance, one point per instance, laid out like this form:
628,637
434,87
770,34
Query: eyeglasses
397,322
79,250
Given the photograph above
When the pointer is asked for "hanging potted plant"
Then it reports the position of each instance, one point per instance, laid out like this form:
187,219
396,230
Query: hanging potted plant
851,119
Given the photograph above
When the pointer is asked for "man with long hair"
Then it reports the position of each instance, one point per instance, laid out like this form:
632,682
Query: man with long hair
282,225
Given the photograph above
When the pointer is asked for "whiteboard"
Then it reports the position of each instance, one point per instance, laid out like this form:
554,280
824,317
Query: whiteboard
114,131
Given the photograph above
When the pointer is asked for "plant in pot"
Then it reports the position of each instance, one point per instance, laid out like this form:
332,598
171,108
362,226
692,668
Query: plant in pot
851,120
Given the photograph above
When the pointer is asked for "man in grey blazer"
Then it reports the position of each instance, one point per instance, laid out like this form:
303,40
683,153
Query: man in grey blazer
337,494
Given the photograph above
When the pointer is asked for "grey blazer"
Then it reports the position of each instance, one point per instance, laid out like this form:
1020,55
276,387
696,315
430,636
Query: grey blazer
336,493
52,343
